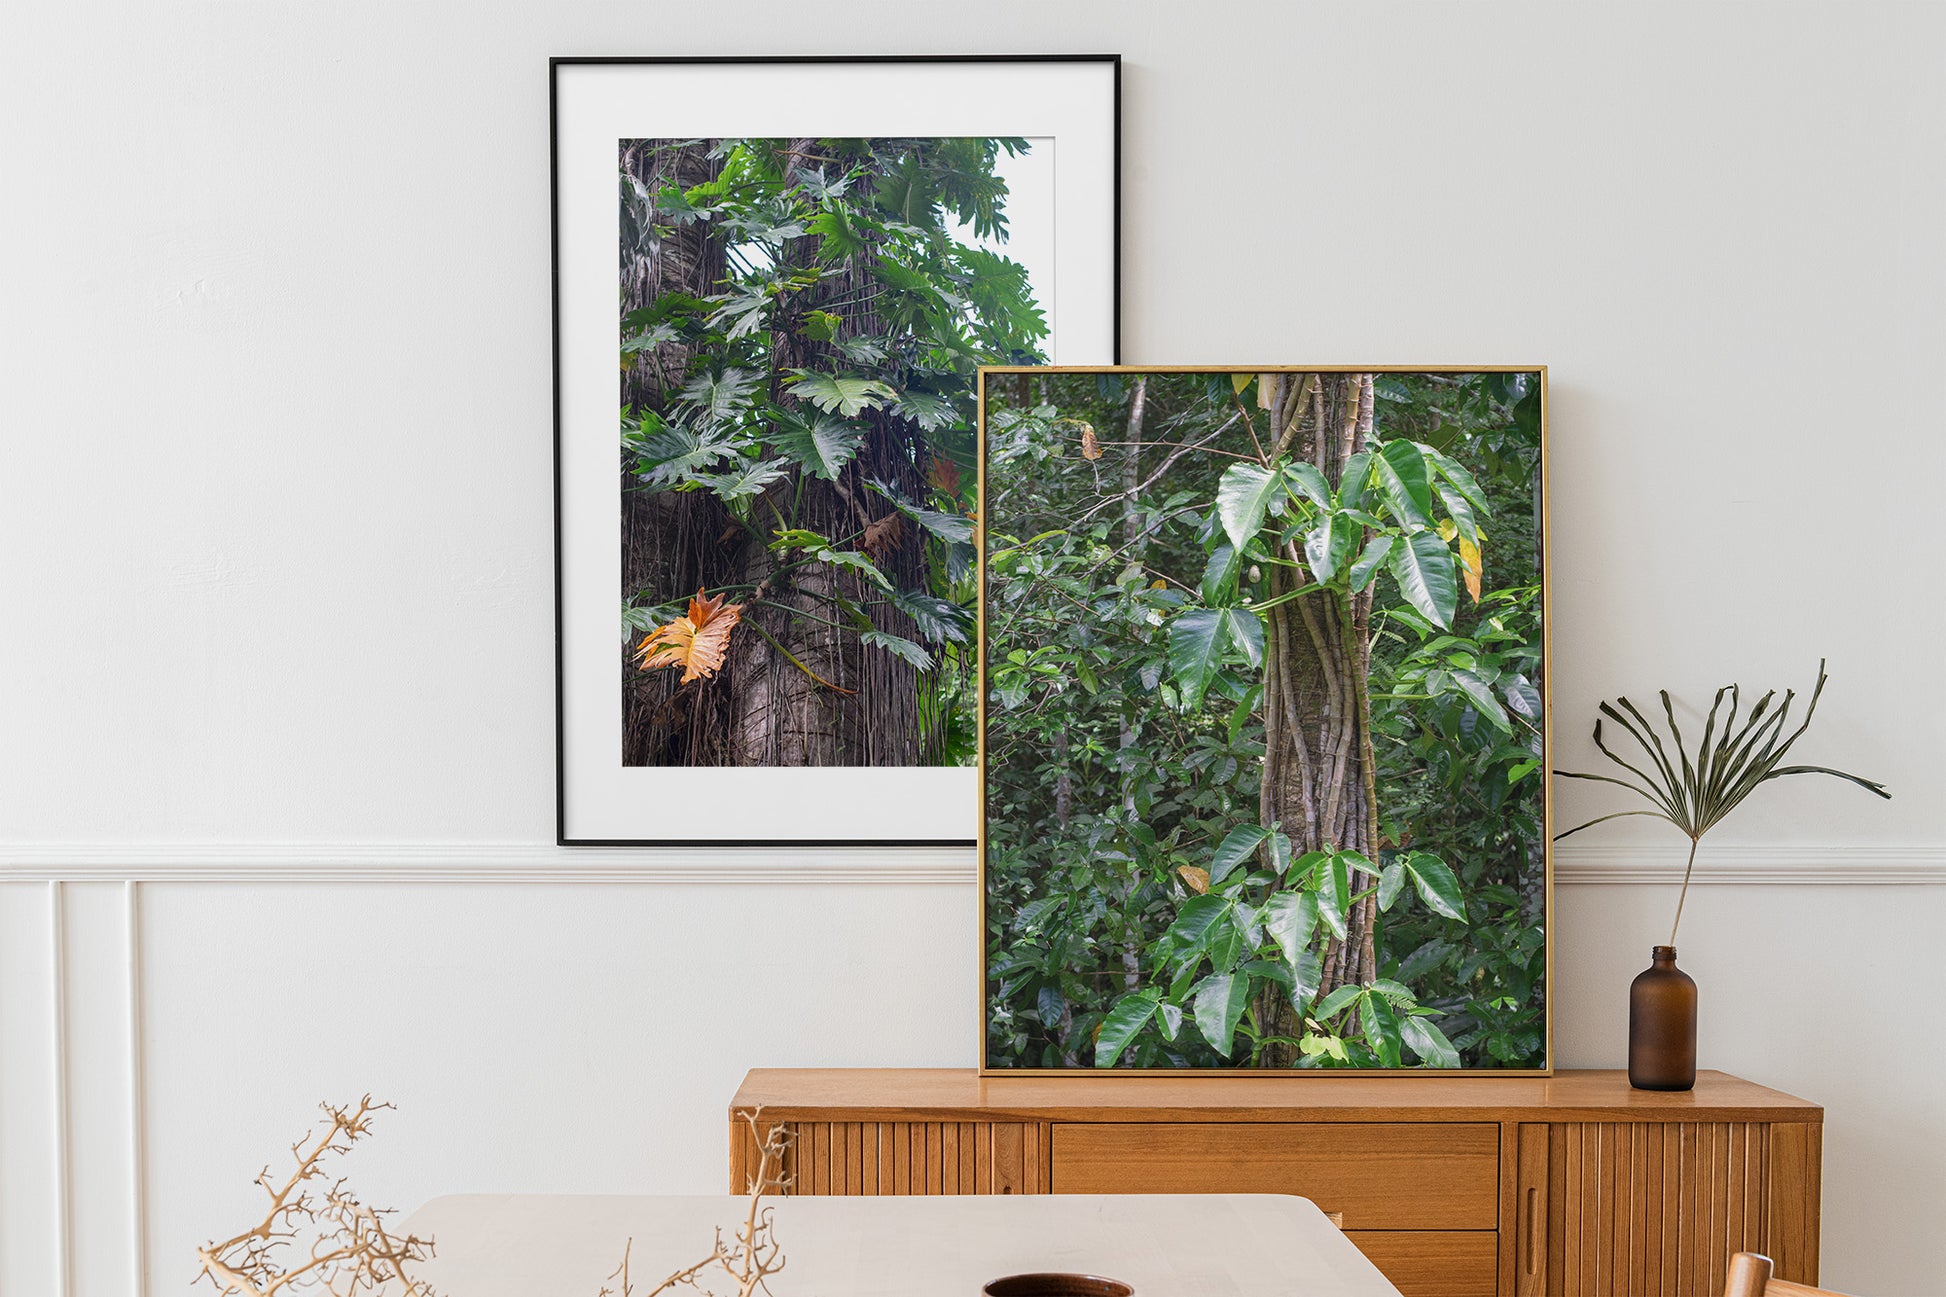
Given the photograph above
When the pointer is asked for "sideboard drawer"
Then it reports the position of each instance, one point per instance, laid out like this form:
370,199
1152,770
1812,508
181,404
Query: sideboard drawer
1381,1176
1428,1263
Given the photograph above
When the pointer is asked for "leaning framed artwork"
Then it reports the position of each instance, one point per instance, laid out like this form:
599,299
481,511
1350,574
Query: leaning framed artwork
765,575
1264,719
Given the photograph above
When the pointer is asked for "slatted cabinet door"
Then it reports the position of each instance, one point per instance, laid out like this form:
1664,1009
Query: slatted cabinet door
901,1157
1654,1209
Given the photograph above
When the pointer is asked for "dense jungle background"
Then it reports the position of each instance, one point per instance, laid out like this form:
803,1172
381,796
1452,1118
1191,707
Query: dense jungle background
801,321
1264,769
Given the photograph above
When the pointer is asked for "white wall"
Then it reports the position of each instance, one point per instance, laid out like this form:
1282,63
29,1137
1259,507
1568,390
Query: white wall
274,516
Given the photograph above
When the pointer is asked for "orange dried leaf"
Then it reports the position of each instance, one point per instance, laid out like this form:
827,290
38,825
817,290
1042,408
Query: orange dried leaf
1198,879
696,643
945,475
883,536
1090,447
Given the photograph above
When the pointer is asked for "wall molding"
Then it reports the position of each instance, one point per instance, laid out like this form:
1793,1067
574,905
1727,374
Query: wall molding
1730,864
476,862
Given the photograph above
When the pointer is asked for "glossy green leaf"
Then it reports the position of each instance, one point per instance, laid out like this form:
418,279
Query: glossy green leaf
1379,1024
1462,481
1356,481
1390,880
1436,884
1306,482
1243,496
1237,847
1219,584
1198,639
1480,694
1335,1002
1191,930
1289,919
1378,551
1423,567
1168,1020
823,444
1334,896
1402,474
898,646
1428,1042
848,395
1329,544
1246,633
1219,1006
1123,1023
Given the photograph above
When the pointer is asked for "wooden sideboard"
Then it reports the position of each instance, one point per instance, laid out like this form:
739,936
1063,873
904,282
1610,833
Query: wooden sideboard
1455,1186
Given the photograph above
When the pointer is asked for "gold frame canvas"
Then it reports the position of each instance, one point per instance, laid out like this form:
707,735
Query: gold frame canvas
1547,740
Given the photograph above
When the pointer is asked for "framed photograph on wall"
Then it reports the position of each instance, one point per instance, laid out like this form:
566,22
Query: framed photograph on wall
774,283
1264,719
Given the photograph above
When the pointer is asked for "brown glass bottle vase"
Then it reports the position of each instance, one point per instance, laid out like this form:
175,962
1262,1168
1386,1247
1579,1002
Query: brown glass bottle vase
1662,1025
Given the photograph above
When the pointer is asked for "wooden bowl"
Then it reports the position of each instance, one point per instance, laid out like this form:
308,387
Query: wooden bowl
1057,1285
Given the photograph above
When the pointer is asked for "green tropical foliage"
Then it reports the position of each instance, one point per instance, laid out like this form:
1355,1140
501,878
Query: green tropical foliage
801,323
1152,899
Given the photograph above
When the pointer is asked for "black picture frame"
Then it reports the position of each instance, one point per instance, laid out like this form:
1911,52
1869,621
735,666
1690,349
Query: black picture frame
563,836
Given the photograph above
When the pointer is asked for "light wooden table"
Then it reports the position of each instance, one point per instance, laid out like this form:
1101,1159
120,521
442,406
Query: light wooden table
1165,1245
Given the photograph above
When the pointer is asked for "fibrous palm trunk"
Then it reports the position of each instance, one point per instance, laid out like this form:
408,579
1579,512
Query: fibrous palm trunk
798,688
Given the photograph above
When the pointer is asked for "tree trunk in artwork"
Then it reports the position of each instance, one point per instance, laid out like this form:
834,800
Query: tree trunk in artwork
794,690
1318,776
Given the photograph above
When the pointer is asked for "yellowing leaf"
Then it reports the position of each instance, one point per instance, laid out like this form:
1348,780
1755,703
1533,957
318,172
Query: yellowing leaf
1090,448
1447,530
1198,879
1470,565
1158,585
695,643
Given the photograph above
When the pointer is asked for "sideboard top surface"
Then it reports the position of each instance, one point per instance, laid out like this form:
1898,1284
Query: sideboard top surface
961,1094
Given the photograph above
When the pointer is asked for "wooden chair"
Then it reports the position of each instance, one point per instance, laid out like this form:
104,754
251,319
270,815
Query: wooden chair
1749,1276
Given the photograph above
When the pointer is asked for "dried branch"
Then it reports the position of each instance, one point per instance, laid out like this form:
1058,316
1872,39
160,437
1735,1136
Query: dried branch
752,1255
351,1252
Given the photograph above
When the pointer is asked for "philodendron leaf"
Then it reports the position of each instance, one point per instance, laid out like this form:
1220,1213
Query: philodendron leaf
1219,1005
848,395
1238,845
1123,1023
1243,496
1436,884
1423,567
898,646
824,444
